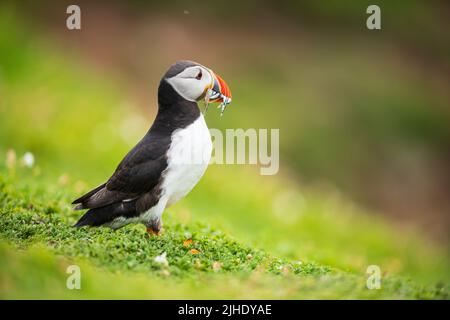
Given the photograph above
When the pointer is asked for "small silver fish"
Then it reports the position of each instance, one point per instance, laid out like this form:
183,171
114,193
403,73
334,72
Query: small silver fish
212,95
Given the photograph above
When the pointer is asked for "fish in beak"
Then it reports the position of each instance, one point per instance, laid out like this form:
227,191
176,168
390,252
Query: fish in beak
218,92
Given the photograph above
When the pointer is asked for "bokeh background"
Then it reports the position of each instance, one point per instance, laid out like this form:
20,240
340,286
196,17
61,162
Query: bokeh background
364,115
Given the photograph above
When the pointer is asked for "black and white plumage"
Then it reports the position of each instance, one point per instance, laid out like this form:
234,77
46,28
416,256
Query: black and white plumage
169,160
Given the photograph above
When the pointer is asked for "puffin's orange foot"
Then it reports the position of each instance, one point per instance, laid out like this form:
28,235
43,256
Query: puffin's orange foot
154,227
152,232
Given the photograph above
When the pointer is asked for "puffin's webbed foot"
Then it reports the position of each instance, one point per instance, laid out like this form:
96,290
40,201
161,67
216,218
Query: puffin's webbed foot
152,232
154,228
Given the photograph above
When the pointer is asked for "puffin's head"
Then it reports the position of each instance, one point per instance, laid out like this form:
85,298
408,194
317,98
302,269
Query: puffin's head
195,82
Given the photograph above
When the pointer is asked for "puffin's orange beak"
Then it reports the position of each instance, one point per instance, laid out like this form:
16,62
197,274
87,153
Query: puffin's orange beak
217,91
221,91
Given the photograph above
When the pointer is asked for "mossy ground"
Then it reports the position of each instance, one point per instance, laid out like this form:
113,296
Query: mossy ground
203,262
197,247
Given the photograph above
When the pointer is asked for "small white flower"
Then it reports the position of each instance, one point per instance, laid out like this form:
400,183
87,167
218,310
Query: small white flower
28,159
161,259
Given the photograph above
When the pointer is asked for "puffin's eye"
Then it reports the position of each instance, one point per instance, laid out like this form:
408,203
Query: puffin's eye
199,75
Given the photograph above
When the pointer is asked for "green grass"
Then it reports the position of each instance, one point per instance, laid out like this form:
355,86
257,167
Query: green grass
256,237
30,216
37,221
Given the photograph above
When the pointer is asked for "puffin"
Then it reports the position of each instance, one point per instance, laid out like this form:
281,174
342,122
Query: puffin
168,161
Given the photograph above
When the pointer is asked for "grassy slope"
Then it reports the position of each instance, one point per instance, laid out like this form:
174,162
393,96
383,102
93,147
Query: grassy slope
121,263
320,246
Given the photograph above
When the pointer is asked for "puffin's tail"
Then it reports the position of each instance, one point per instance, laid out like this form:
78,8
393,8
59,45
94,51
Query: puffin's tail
99,216
80,202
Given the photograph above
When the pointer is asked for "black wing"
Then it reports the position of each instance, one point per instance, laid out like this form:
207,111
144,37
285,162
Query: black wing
136,176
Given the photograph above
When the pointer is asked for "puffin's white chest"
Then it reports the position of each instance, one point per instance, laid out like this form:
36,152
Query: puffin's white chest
188,158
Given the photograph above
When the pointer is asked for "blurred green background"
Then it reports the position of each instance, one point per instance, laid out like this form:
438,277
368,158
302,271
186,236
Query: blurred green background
363,117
